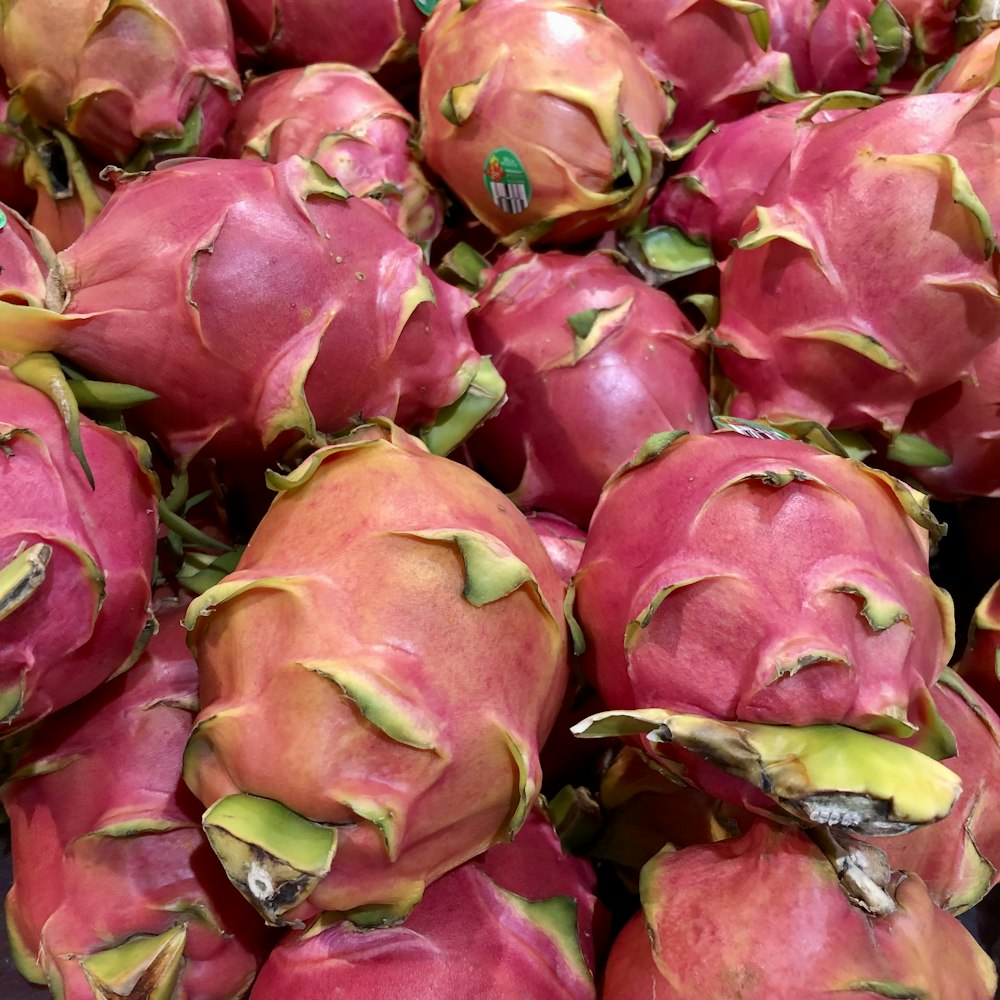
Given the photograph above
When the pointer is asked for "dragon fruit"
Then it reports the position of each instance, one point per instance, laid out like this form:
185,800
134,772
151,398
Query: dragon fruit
869,245
13,190
351,126
563,541
840,45
284,33
115,890
25,259
771,916
516,922
157,74
950,442
356,323
731,578
380,572
76,556
540,116
974,67
980,663
672,36
594,361
958,858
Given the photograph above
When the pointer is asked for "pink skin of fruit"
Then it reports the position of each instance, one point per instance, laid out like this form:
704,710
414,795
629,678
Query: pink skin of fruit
300,32
271,309
672,36
958,857
580,401
117,75
76,891
351,126
367,598
963,422
552,82
84,612
563,541
475,932
739,578
980,664
726,174
720,918
973,67
25,259
832,303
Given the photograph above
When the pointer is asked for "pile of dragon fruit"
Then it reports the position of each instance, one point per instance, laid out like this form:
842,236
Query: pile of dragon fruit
500,498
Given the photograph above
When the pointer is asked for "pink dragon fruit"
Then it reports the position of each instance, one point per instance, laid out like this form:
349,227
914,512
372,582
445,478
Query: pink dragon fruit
727,173
973,68
771,916
380,573
841,637
300,32
958,858
950,442
595,360
540,116
76,555
25,259
114,890
117,76
672,36
352,127
276,308
873,242
731,589
516,922
980,663
13,190
840,45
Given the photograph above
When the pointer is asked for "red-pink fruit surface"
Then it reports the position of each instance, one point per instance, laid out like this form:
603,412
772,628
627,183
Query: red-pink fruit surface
388,656
273,308
972,67
13,190
673,37
962,424
933,25
958,857
745,578
118,75
873,242
300,32
980,663
763,917
106,841
78,559
513,924
595,360
833,46
25,259
351,126
726,174
540,116
563,541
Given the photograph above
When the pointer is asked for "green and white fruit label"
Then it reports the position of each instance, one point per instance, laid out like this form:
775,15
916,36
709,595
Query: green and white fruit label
507,181
425,6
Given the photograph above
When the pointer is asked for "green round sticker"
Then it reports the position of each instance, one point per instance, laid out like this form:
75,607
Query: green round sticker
507,181
425,6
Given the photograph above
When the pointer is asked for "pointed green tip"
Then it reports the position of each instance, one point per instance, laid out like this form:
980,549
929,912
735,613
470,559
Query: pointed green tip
274,856
144,967
485,393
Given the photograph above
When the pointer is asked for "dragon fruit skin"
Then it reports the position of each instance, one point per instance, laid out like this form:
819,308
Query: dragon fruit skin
847,256
25,259
688,603
286,33
958,858
356,130
564,93
962,424
595,360
121,74
128,858
77,560
727,173
972,67
355,321
563,541
358,567
516,922
980,663
720,918
672,37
